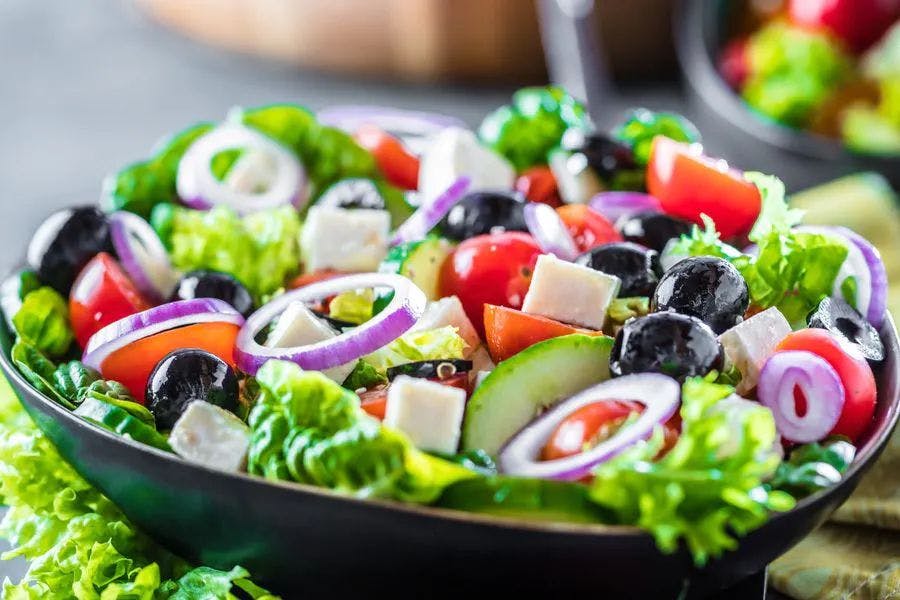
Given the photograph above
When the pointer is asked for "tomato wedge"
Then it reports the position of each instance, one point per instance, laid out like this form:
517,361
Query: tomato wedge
689,184
316,276
589,228
538,184
131,366
374,401
509,331
398,165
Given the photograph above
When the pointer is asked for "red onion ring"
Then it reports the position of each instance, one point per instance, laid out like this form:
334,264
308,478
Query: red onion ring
142,255
135,327
614,205
549,231
658,393
430,214
820,385
199,188
405,308
396,121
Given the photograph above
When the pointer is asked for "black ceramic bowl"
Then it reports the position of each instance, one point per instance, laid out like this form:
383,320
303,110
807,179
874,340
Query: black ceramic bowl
305,540
748,138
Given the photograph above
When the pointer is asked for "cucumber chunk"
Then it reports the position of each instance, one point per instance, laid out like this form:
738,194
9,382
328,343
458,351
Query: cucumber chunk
120,421
420,262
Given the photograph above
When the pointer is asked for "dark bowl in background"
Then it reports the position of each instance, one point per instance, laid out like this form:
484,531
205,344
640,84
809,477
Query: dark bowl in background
747,138
303,540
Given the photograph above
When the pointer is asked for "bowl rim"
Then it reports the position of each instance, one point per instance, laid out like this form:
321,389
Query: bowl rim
695,49
877,440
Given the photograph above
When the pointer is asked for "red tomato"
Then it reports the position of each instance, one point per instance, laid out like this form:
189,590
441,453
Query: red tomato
588,227
538,184
374,401
859,23
316,276
689,184
398,165
490,269
102,294
734,65
131,366
584,427
855,374
508,331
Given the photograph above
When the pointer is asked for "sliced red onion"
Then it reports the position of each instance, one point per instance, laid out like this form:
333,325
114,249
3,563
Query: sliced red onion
549,231
820,385
430,213
863,263
135,327
404,309
614,205
396,121
658,393
265,163
142,255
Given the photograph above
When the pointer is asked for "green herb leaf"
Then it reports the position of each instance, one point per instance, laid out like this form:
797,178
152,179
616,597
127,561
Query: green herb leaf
43,322
73,377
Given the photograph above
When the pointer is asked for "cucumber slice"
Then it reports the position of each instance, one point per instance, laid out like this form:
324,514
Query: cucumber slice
420,262
120,421
533,380
532,499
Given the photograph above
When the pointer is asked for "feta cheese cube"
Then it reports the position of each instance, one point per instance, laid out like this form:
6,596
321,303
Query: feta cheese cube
750,343
343,239
449,311
298,326
428,412
455,152
210,436
570,293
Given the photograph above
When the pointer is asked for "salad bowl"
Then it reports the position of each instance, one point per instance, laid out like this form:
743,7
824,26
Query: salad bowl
303,539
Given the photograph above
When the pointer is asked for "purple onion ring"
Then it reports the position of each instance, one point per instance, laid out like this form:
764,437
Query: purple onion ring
142,255
430,213
549,231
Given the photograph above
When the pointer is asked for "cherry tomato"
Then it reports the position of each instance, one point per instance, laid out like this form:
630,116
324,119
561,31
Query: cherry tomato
858,23
131,366
538,184
689,184
734,65
589,228
102,294
374,401
855,374
490,269
398,165
588,426
508,331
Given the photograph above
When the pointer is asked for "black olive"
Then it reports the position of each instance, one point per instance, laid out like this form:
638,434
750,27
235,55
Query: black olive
213,284
677,345
604,155
65,242
841,319
431,369
705,287
482,212
187,375
633,264
652,230
353,193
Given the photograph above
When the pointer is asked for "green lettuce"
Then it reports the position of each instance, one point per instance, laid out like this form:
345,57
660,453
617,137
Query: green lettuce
430,344
43,322
71,378
353,306
363,375
38,370
306,428
697,493
260,250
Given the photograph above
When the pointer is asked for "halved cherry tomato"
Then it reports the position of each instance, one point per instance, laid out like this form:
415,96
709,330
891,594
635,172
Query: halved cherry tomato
316,276
689,184
490,269
538,184
508,331
589,228
398,165
102,294
734,64
855,374
374,401
859,23
131,366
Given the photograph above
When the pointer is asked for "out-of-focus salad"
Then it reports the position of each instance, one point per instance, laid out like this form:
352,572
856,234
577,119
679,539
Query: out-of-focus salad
828,66
535,319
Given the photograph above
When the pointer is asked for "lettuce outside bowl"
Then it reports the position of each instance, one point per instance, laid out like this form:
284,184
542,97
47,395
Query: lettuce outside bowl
305,540
732,128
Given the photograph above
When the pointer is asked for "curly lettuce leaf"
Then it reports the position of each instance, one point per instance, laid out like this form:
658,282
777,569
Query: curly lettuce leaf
430,344
697,493
354,306
43,322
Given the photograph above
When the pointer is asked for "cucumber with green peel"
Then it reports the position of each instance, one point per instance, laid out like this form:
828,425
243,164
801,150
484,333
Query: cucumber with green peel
418,261
523,386
120,421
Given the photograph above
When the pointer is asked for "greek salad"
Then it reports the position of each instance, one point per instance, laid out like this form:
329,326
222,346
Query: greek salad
536,319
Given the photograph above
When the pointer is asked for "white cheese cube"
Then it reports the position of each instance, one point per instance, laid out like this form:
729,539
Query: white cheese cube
298,326
449,311
210,436
455,152
343,239
750,343
428,412
570,293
